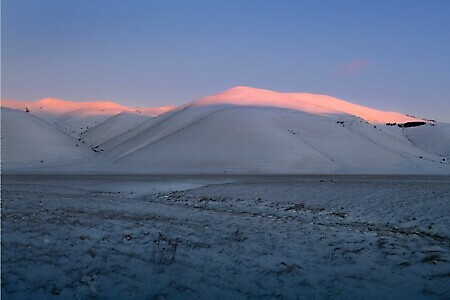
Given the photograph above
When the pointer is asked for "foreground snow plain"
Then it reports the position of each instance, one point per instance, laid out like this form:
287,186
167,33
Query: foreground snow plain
225,237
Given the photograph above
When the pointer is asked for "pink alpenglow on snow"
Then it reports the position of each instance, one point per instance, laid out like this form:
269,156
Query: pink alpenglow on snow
306,102
75,118
59,107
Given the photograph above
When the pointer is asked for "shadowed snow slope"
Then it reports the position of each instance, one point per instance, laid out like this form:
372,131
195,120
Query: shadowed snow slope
434,139
113,127
77,117
258,131
28,141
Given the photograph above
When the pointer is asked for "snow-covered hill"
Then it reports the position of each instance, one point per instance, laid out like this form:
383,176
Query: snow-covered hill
28,141
259,131
77,117
434,138
114,126
305,102
247,130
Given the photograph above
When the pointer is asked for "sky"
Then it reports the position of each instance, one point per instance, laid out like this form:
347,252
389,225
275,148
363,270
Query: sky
390,55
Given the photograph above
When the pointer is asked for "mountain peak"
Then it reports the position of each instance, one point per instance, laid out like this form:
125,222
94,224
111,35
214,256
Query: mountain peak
245,90
50,100
306,102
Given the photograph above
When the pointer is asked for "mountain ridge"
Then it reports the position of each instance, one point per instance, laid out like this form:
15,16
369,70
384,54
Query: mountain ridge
247,130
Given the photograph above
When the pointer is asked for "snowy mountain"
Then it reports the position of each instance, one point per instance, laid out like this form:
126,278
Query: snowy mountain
77,117
247,130
305,102
28,141
114,126
434,138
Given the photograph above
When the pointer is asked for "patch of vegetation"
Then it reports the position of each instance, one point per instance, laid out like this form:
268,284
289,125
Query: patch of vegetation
411,124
